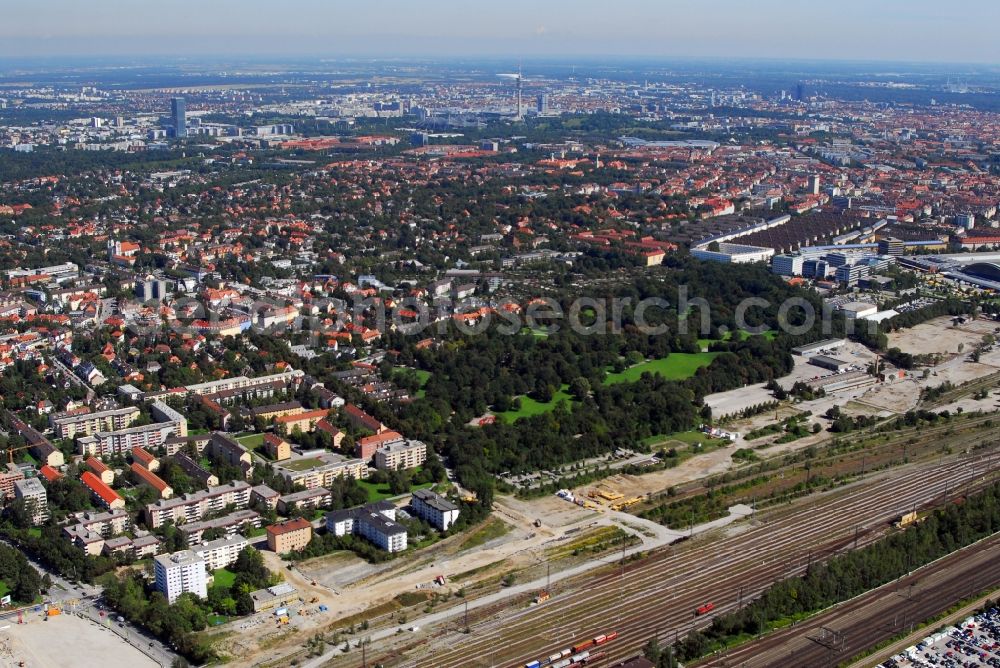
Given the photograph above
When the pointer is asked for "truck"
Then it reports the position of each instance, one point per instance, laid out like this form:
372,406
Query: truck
281,612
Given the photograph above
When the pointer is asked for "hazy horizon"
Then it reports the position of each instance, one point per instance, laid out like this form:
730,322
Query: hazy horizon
901,31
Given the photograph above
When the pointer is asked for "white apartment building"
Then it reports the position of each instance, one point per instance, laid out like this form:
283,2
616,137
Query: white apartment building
400,454
193,507
434,509
222,552
32,492
180,573
376,522
68,426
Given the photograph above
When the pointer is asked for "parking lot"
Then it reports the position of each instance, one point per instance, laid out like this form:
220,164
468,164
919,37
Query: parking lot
975,642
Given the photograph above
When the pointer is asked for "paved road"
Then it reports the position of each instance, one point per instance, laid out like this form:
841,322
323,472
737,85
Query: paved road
83,600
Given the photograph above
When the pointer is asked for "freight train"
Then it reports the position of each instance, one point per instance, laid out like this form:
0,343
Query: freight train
577,656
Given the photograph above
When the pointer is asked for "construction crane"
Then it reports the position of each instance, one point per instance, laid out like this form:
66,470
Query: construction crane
10,452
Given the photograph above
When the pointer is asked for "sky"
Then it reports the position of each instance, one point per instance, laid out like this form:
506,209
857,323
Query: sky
889,30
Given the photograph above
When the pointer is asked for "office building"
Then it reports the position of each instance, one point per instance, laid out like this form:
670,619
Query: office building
966,221
787,265
289,536
180,573
32,492
543,104
890,246
178,117
434,509
850,274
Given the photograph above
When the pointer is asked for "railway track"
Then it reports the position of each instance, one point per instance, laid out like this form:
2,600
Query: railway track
657,596
851,628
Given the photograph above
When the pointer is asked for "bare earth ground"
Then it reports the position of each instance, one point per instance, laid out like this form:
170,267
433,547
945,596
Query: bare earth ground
66,641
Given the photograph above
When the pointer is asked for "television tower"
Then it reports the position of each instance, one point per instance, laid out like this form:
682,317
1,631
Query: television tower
520,111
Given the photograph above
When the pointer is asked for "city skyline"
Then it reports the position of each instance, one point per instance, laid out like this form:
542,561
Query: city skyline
892,31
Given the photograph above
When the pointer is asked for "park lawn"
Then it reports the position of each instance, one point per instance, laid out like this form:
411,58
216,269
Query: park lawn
531,407
537,332
768,334
380,491
252,442
4,589
36,532
676,366
224,578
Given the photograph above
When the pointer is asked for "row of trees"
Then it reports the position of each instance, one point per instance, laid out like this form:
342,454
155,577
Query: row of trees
851,574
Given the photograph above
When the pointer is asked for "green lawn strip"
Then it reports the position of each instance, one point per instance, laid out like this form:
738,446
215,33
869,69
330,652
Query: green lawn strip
531,407
224,578
676,366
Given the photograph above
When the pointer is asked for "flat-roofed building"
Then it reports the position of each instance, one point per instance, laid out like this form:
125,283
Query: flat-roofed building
8,476
400,454
32,492
86,424
234,523
321,470
180,573
307,499
289,536
222,552
193,507
366,446
375,521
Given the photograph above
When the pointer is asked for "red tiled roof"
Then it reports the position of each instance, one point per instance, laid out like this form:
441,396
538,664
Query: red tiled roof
97,486
140,454
154,480
96,465
288,526
49,473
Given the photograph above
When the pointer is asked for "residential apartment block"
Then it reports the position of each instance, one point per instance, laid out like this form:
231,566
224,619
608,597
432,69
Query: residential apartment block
180,573
376,522
328,468
400,454
290,535
32,492
86,424
193,507
434,509
222,552
317,497
101,493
